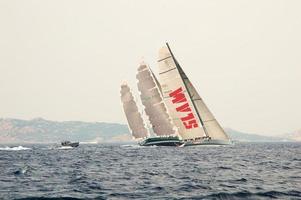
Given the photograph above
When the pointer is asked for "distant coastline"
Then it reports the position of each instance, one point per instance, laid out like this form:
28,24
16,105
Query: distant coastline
40,130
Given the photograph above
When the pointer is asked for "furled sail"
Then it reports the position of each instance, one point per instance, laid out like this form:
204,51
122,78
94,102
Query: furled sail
132,114
206,119
155,109
177,99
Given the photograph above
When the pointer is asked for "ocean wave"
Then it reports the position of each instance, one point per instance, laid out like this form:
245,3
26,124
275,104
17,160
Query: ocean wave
18,148
50,198
248,195
132,172
130,145
225,168
215,196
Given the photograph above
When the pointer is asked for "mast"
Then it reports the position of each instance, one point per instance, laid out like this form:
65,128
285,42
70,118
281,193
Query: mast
156,80
189,94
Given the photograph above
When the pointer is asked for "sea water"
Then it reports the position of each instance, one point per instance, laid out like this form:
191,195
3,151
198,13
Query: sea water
112,171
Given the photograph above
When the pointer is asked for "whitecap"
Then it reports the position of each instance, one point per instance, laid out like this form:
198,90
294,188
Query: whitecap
136,146
65,148
18,148
131,146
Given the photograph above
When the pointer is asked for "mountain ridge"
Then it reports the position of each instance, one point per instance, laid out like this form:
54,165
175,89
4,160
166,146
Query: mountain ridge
39,130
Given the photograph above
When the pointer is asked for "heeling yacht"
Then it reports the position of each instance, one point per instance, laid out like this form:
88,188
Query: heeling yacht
177,114
195,123
164,134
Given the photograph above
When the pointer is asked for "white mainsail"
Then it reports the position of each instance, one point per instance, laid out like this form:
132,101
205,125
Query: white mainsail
177,99
135,121
181,97
152,100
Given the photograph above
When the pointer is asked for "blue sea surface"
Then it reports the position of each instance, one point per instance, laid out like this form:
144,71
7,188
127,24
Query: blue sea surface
240,171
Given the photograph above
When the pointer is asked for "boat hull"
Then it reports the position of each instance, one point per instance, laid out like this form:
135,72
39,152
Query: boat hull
175,141
161,141
207,142
71,144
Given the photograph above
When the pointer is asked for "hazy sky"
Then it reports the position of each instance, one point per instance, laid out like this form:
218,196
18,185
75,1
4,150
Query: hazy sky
65,60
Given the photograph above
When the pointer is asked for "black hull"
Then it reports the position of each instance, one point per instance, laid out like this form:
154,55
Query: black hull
166,144
208,143
162,141
175,141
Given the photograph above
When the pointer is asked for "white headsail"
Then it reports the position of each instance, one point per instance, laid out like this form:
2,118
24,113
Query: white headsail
186,107
132,114
152,100
211,126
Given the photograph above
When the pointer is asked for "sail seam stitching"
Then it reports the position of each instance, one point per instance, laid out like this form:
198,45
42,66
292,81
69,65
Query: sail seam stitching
164,58
168,70
210,120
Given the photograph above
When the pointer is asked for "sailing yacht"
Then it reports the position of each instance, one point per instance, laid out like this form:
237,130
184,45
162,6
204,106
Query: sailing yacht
164,132
177,114
196,124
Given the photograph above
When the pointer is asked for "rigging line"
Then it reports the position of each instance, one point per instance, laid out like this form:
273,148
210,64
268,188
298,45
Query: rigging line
157,82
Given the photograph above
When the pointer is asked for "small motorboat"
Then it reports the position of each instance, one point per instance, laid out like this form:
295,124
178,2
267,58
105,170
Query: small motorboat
69,144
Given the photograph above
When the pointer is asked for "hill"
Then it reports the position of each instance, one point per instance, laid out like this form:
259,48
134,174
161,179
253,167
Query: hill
251,137
44,131
296,135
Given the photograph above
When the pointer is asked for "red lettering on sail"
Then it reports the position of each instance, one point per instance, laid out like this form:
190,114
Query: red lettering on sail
188,117
189,120
178,96
183,108
191,124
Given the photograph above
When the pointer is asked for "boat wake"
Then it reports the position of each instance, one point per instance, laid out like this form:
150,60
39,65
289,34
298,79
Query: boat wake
136,146
65,148
18,148
131,146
